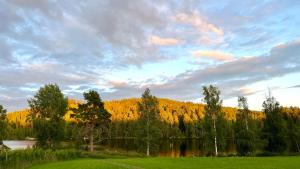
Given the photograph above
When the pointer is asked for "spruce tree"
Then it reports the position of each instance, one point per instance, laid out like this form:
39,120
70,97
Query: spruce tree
274,126
181,124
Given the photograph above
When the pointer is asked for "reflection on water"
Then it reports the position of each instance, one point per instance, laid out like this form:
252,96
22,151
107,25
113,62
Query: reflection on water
181,148
167,147
18,144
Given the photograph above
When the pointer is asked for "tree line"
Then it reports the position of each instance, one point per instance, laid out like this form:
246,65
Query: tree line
53,118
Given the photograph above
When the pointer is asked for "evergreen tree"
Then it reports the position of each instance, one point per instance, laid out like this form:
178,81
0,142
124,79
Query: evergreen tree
181,124
48,108
243,131
3,124
293,124
93,116
149,122
274,129
214,118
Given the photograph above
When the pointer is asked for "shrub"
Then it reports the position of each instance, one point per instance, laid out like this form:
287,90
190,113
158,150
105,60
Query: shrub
21,159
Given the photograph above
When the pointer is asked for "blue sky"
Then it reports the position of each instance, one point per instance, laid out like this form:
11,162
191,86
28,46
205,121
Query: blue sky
120,47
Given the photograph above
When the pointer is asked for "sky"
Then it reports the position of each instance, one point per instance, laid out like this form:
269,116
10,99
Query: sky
173,47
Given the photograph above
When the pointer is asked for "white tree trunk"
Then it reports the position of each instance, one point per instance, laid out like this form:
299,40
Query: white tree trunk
148,137
148,148
247,128
298,146
215,135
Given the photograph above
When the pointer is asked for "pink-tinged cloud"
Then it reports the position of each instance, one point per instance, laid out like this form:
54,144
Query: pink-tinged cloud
198,22
248,91
156,40
215,55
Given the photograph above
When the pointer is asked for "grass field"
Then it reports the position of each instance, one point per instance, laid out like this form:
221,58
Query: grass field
178,163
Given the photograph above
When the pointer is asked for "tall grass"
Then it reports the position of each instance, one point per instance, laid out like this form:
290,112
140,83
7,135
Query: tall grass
21,159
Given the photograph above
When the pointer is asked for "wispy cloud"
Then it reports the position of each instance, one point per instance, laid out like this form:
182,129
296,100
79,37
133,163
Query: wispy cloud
156,40
84,45
215,55
194,19
229,76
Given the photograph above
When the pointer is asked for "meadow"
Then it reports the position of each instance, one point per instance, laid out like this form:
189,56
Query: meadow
178,163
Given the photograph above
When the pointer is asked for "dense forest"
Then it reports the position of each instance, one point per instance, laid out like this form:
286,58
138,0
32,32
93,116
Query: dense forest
124,113
275,129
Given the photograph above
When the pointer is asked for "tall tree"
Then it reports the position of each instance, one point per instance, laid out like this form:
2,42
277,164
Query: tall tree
292,117
181,124
274,129
3,124
149,120
243,131
212,111
92,115
48,108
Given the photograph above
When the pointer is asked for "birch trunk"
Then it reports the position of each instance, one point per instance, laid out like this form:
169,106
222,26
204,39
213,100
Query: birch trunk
148,139
298,146
215,135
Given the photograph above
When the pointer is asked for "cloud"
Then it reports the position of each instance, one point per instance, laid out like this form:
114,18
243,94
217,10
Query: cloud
83,45
199,23
228,76
215,55
296,86
156,40
90,29
247,91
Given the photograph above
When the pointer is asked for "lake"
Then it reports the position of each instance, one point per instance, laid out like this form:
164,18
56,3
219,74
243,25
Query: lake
167,147
18,144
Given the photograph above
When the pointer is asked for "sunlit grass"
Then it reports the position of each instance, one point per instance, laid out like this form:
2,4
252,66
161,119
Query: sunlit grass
178,163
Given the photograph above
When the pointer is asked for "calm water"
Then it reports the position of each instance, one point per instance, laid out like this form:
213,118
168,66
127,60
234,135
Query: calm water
18,144
167,147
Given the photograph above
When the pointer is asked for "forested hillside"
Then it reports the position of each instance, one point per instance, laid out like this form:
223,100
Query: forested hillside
126,110
148,119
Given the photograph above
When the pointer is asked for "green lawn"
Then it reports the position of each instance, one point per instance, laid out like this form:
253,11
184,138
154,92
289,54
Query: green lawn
178,163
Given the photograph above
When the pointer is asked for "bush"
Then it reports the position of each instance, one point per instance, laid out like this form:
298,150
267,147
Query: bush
21,159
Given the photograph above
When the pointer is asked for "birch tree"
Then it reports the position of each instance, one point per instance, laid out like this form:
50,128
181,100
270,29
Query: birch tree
212,111
244,134
149,121
47,109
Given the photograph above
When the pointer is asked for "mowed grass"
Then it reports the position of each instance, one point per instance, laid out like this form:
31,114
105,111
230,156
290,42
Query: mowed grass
178,163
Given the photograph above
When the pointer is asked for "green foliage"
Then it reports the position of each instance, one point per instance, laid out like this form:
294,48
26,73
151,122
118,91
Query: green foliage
3,124
49,103
148,133
48,108
181,124
17,132
149,119
245,139
92,115
20,159
293,124
48,133
274,129
214,119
